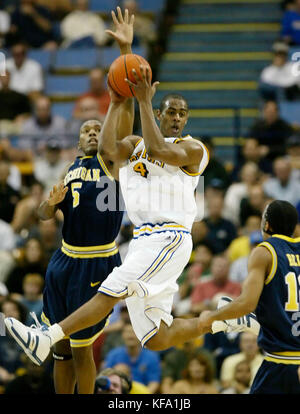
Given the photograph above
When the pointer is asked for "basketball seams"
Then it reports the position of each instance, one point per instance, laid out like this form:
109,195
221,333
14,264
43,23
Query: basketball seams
115,83
125,65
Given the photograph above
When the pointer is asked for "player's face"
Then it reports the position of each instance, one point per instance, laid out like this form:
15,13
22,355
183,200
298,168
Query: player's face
173,118
89,137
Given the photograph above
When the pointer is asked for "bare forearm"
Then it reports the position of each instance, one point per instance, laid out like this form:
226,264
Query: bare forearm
237,308
154,141
108,135
46,212
125,119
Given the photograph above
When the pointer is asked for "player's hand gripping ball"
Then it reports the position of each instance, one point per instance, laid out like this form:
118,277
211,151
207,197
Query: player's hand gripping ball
121,68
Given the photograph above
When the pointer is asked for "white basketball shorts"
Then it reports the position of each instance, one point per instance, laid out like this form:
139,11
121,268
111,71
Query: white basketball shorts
148,276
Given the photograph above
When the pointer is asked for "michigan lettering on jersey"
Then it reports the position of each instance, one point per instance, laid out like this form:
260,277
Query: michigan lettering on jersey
294,259
83,173
145,156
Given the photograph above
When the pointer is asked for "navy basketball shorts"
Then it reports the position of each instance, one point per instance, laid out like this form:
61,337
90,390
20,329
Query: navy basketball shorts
274,378
71,282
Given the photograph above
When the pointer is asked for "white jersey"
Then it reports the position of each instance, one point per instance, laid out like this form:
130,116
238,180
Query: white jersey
156,193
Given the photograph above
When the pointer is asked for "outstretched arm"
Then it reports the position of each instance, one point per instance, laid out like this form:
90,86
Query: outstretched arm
260,262
48,208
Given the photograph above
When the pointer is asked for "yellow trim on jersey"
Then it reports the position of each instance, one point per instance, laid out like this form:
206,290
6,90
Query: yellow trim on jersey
288,353
283,361
157,227
86,156
78,343
89,252
289,239
47,322
137,143
112,293
274,261
105,169
149,336
184,170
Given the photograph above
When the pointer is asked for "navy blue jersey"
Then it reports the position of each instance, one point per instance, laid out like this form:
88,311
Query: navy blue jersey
91,211
278,310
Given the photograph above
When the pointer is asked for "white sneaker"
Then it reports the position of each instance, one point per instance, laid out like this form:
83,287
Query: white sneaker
33,340
246,323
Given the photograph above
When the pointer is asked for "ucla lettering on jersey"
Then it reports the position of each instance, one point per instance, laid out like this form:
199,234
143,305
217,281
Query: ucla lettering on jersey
91,209
278,310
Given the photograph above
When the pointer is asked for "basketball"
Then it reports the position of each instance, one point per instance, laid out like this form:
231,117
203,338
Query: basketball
121,68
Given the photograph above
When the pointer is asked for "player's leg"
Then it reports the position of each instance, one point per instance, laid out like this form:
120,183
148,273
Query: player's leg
85,369
63,372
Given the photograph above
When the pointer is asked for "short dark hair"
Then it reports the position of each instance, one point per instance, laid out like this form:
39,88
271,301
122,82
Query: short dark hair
171,96
282,217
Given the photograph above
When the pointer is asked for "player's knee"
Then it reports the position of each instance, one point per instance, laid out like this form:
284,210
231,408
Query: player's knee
82,355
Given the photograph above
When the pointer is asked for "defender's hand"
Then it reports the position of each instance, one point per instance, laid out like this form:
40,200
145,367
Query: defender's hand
57,194
123,33
143,89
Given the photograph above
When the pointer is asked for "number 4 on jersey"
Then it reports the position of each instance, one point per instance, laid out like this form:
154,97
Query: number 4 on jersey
140,168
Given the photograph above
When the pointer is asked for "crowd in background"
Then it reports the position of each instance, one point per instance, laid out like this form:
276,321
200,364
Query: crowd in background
268,167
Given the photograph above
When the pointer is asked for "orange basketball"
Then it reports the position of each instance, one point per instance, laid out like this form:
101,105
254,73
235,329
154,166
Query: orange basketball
121,68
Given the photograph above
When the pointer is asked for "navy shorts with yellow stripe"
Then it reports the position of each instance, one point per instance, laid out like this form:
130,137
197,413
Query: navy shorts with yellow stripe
276,378
69,283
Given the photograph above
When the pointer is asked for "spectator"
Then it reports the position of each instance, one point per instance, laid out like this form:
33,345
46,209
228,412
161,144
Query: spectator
83,28
293,152
250,176
10,352
144,364
50,168
290,25
35,381
240,247
32,295
33,24
283,186
43,125
214,169
59,8
97,91
198,378
25,215
8,239
254,204
9,197
249,351
49,233
241,379
221,231
204,293
14,106
239,268
136,387
33,262
279,76
271,131
113,381
26,74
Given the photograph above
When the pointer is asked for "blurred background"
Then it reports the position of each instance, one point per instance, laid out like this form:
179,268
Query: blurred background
235,62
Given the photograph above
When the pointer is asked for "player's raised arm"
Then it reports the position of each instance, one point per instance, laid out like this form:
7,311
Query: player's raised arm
187,153
48,208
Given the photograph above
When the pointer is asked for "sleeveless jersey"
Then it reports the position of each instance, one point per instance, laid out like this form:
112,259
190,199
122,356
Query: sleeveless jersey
90,187
278,310
158,193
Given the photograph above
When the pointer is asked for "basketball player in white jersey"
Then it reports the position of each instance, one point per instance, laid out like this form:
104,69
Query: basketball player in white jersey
161,247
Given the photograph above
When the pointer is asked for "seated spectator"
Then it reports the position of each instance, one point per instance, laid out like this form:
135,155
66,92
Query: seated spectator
215,169
204,294
221,231
250,176
42,125
251,152
283,186
34,381
279,76
240,246
14,106
197,379
3,292
4,25
293,153
271,131
50,168
33,24
254,204
82,27
97,91
290,31
9,197
241,379
249,351
26,74
239,268
221,345
136,387
32,262
144,363
8,238
113,381
32,296
59,8
25,215
49,233
10,351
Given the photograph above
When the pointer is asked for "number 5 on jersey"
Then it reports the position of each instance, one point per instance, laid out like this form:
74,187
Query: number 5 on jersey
141,168
75,193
